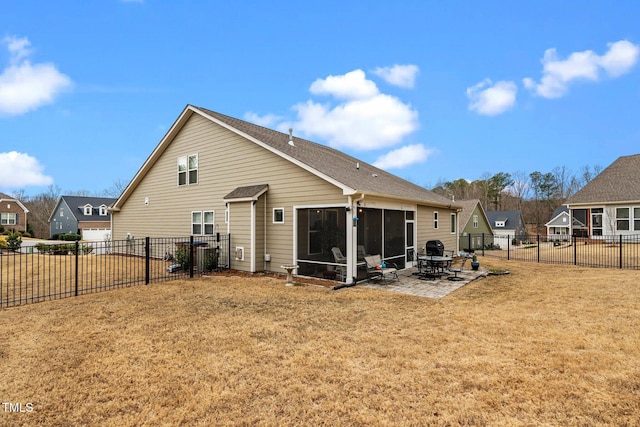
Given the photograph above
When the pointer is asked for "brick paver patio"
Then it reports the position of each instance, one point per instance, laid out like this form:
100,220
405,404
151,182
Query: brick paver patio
412,285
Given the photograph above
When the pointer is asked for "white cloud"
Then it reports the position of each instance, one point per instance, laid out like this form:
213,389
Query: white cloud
25,87
353,85
403,157
621,57
267,120
557,74
365,124
491,99
18,170
398,75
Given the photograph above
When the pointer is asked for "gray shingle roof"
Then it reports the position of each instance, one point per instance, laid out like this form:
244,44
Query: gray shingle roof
250,191
77,203
332,163
620,182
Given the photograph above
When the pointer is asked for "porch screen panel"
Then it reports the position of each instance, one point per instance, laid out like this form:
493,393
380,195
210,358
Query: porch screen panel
370,230
394,227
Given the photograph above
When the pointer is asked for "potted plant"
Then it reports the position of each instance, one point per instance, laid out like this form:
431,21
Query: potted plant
474,262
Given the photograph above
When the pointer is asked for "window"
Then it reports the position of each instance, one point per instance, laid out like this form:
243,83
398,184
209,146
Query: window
453,223
278,215
88,209
188,170
622,219
636,219
202,223
9,219
103,210
196,223
596,221
435,220
475,221
208,223
500,224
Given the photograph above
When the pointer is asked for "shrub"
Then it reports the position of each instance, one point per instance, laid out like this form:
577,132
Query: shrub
87,249
14,241
182,258
26,234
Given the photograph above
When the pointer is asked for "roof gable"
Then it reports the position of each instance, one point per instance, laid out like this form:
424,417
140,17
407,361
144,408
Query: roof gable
620,182
348,173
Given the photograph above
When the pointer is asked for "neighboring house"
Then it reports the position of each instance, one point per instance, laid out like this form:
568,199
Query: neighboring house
475,230
13,214
506,226
610,203
283,199
559,227
87,216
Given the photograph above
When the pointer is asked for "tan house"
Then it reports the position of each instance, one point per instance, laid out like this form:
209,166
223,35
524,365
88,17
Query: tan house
13,214
283,199
609,205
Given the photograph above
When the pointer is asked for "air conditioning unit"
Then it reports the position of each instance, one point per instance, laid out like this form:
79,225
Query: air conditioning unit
205,259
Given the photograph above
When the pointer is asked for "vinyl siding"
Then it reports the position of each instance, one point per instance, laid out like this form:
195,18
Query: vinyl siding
225,161
427,232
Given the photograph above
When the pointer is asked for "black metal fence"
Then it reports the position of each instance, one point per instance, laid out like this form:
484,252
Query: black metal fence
54,270
619,251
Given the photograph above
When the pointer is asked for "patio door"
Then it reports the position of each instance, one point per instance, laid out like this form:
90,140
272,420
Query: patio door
409,238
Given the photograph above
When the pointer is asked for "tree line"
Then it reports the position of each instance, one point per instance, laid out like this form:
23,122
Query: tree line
536,194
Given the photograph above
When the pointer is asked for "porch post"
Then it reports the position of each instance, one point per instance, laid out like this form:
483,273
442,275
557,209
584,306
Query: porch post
352,242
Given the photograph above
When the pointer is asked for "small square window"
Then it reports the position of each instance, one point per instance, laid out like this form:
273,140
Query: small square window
278,215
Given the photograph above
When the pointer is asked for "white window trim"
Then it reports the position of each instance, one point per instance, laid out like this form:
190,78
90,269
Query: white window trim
187,170
435,220
196,223
475,221
103,210
205,223
454,226
9,219
88,209
274,215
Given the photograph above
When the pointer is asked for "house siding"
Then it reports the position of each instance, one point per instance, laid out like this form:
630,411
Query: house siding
483,228
426,230
225,161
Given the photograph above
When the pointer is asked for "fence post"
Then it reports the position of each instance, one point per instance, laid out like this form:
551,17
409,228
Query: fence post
538,237
575,249
147,259
76,275
509,247
191,256
483,245
621,251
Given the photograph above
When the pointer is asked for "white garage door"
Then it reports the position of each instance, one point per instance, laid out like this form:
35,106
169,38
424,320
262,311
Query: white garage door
96,234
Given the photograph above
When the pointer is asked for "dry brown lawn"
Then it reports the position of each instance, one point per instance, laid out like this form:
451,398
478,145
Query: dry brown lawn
544,345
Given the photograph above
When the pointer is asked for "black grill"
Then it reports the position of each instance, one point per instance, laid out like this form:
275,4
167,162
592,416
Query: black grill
434,247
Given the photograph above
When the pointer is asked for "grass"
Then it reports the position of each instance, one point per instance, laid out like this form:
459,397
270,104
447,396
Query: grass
544,345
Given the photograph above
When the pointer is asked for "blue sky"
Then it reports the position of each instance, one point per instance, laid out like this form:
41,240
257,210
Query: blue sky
430,91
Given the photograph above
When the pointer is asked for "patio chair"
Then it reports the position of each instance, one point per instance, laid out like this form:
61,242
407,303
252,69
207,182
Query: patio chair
375,271
457,266
339,258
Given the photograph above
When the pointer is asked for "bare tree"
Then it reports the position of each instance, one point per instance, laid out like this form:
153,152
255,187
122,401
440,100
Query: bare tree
40,208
